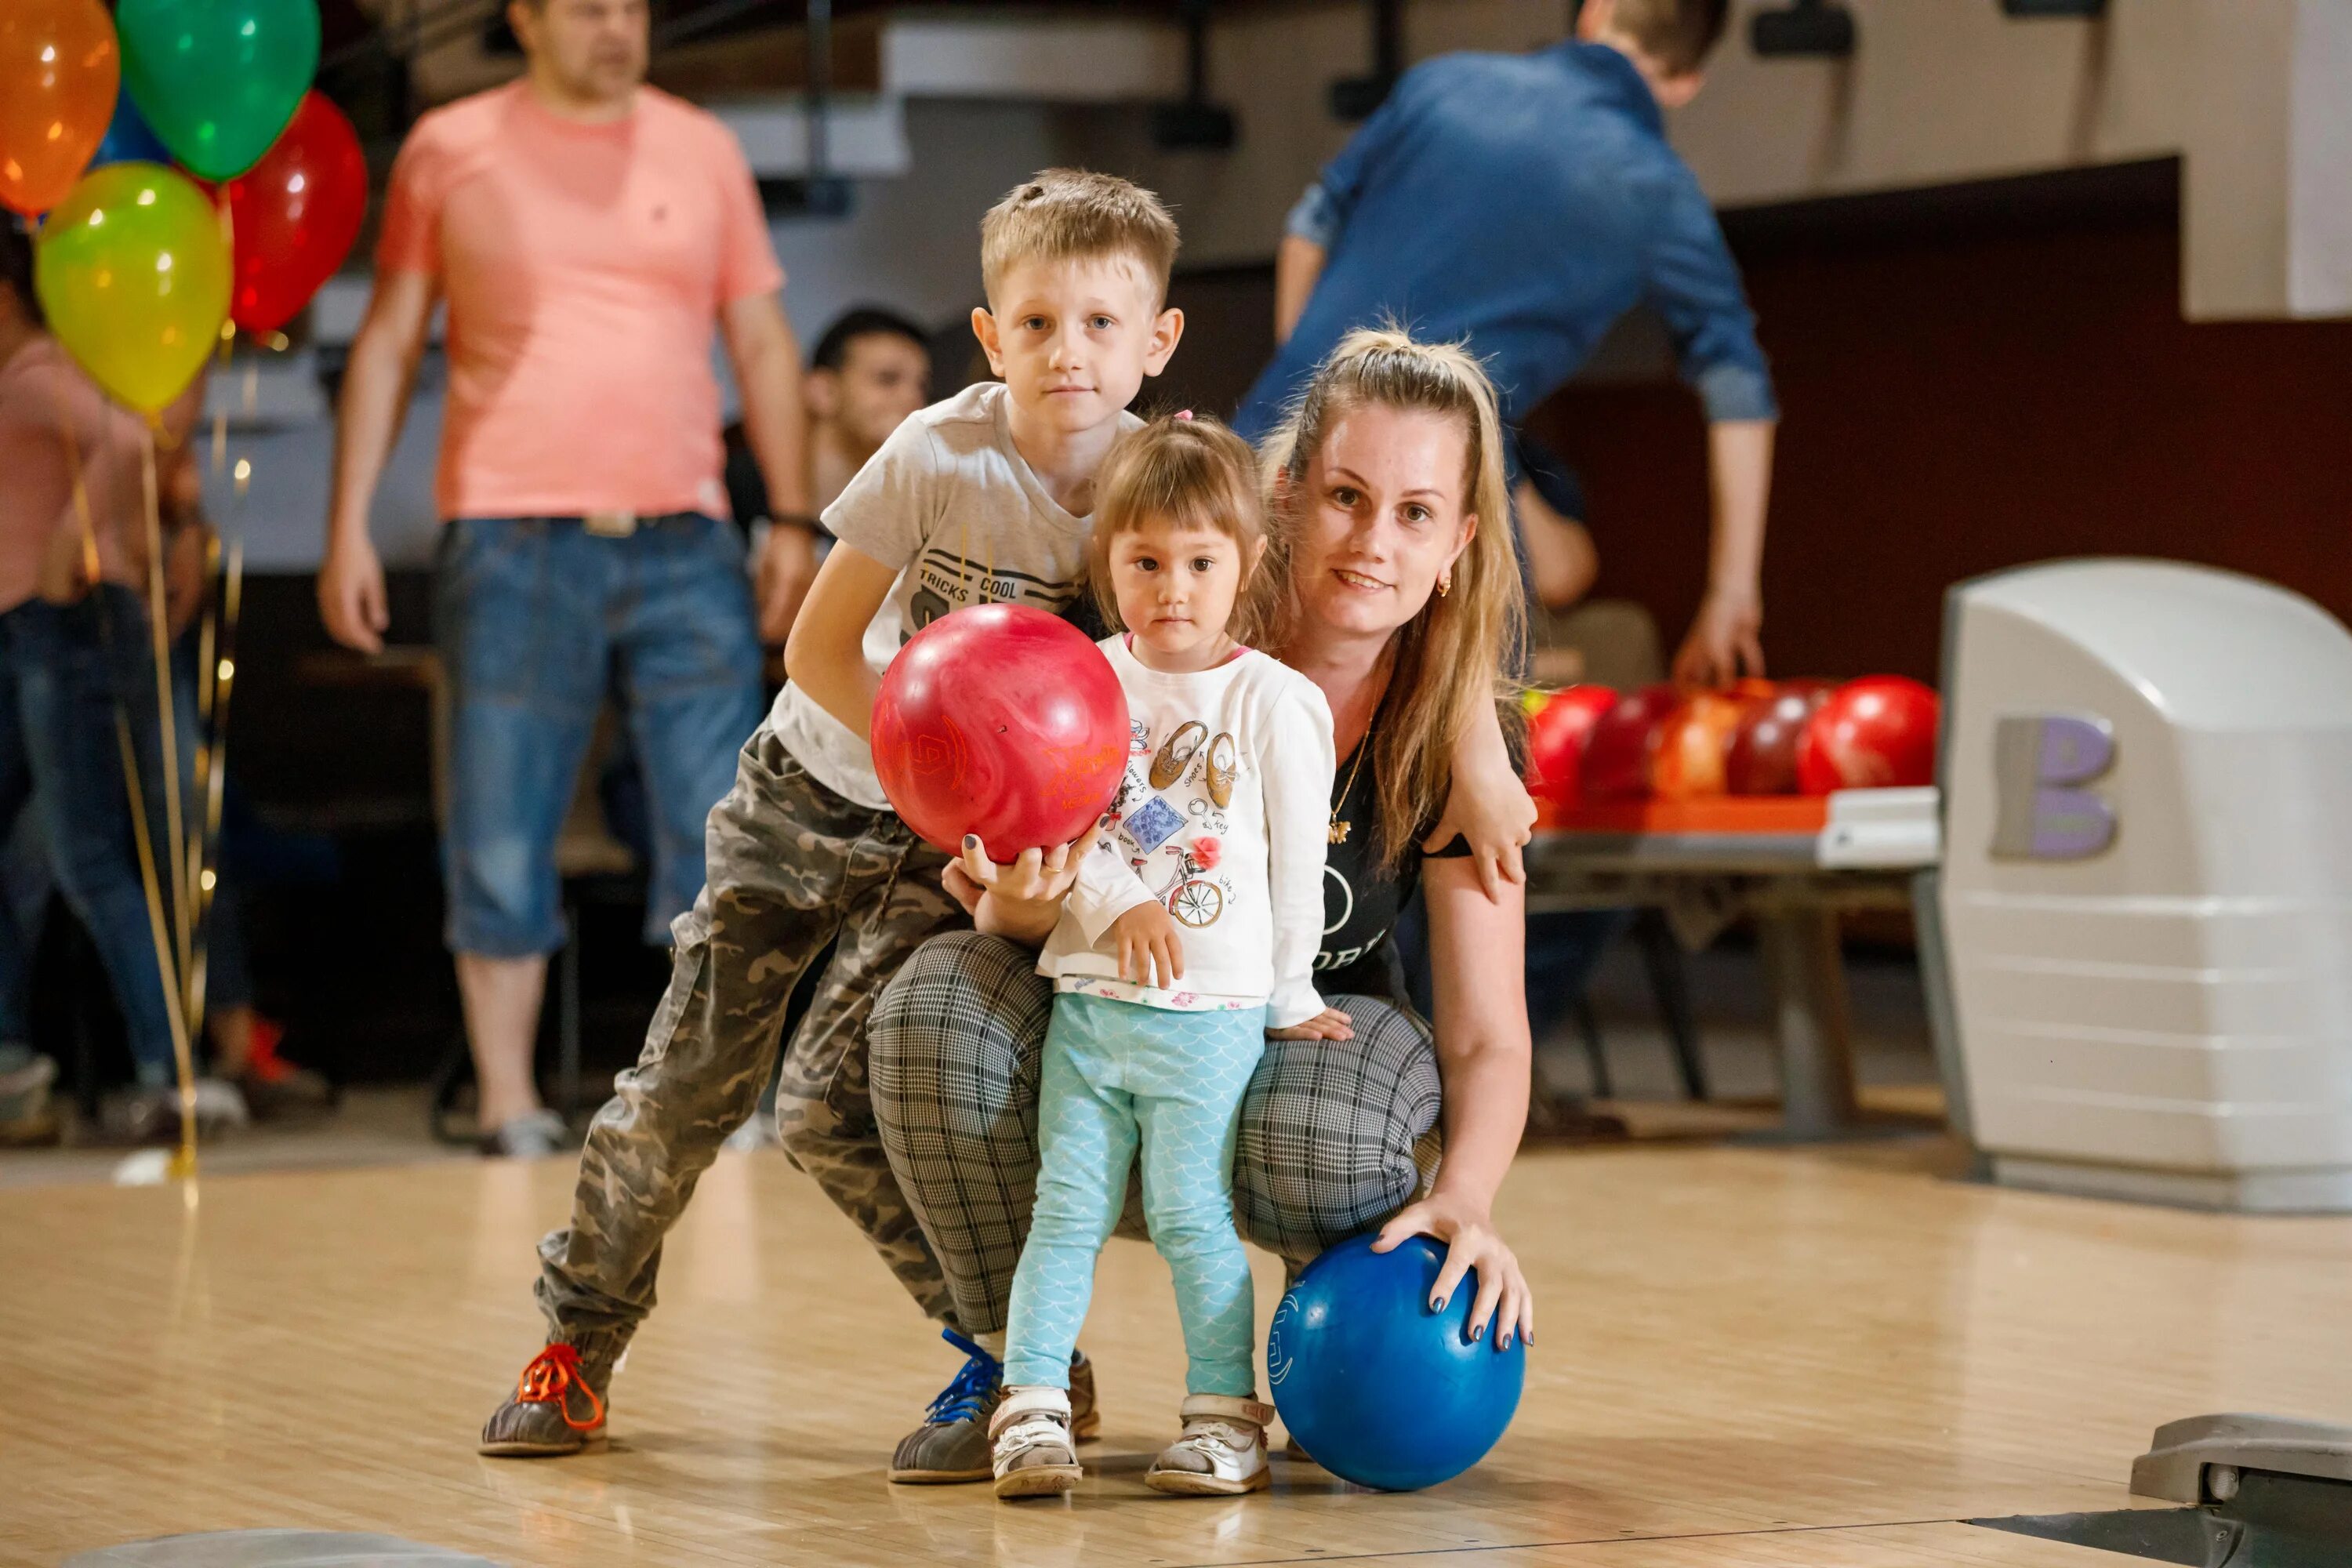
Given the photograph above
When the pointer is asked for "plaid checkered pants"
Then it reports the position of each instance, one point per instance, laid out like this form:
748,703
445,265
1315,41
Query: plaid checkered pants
1335,1136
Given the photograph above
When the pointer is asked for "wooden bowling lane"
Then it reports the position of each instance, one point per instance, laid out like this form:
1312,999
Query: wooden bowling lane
1742,1356
1945,1545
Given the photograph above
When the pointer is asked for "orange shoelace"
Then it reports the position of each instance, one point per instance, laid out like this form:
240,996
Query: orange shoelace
553,1372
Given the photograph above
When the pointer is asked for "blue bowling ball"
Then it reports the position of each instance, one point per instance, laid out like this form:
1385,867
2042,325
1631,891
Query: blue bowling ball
1379,1389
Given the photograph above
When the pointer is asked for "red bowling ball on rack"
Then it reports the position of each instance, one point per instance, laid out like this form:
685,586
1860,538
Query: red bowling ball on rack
1877,732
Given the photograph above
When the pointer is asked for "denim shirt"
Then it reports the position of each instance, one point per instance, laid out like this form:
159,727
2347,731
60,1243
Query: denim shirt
1524,202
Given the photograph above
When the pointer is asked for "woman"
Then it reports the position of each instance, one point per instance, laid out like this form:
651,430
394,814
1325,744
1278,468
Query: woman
1395,589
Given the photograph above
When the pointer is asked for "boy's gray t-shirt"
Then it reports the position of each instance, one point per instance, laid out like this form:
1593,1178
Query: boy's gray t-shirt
952,504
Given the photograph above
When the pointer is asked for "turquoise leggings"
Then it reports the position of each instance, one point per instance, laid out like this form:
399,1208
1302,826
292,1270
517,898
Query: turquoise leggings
1118,1074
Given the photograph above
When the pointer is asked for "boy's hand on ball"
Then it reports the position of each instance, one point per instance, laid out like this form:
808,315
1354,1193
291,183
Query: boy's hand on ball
1329,1025
1503,1301
1147,940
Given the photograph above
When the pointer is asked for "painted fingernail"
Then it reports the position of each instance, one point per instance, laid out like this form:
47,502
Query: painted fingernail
971,839
1437,1303
1478,1333
1506,1341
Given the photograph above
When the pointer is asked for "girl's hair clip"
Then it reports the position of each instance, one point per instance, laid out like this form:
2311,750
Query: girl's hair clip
1183,414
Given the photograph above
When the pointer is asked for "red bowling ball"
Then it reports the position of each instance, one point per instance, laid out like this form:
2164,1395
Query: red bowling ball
1556,738
1763,755
1874,733
1617,753
1687,763
1002,722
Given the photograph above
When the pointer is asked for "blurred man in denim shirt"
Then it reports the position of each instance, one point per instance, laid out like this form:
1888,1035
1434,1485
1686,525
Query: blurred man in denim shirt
1525,203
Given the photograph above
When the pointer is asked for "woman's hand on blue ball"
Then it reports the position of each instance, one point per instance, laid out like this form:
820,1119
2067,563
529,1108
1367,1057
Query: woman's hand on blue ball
1503,1301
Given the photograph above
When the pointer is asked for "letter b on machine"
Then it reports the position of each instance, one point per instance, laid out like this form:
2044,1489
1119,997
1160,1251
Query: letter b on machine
2147,892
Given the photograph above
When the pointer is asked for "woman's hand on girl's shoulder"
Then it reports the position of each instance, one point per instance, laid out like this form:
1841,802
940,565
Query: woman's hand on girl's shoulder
1471,1241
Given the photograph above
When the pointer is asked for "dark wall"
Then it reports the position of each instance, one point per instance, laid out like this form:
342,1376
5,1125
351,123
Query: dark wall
1970,380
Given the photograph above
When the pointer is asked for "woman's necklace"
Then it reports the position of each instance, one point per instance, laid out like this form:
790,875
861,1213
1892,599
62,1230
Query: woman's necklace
1340,826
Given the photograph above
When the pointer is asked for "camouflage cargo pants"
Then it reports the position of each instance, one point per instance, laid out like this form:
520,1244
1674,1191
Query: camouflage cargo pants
791,866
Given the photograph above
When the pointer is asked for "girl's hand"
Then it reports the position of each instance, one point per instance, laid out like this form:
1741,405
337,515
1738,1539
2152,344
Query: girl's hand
1146,937
1488,806
1329,1025
1471,1242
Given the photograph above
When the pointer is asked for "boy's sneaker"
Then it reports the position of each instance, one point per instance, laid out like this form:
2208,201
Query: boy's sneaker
1221,1453
1033,1454
558,1408
951,1445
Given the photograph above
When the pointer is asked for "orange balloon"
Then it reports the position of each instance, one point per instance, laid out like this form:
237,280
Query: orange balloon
60,69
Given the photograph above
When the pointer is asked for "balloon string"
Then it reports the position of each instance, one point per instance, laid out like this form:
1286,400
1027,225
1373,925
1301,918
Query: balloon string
159,617
183,1054
213,754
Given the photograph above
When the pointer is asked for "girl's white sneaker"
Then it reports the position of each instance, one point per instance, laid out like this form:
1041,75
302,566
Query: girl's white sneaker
1222,1452
1032,1454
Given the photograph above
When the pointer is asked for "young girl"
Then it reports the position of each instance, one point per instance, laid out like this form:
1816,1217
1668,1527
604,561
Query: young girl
1188,937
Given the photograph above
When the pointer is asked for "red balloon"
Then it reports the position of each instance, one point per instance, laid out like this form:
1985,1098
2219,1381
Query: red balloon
1556,738
1873,733
293,216
1002,722
1617,753
1763,755
1687,760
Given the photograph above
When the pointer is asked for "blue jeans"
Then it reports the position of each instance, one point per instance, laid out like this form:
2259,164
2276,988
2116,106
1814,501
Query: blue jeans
537,620
63,668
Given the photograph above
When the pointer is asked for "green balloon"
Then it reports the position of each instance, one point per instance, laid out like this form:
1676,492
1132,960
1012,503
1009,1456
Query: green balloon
219,79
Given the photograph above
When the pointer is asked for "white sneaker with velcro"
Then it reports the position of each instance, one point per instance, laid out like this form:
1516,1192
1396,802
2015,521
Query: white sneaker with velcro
1222,1452
1033,1454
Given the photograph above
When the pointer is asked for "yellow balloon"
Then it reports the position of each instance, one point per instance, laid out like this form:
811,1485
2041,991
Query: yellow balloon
133,271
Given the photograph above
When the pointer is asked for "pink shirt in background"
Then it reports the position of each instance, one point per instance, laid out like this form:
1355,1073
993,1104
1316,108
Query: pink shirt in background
53,418
584,267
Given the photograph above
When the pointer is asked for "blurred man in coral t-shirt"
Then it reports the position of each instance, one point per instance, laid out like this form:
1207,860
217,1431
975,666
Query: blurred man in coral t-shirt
587,233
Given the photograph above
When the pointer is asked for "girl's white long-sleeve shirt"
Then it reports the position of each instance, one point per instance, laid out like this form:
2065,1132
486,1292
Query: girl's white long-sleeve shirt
1230,842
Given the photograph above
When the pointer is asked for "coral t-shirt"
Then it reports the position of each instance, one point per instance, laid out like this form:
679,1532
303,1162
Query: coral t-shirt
584,266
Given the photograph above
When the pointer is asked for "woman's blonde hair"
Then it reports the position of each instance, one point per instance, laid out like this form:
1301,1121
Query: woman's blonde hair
1447,660
1188,472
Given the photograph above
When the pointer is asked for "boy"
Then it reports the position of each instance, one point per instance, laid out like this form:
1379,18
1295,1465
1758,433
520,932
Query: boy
983,498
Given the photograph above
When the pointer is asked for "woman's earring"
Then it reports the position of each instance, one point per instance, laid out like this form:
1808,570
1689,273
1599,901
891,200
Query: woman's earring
1445,585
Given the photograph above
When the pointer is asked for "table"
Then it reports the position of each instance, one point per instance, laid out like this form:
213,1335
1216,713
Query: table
1792,866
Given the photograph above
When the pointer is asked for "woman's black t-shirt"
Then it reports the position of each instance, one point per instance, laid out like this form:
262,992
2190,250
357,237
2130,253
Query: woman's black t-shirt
1362,902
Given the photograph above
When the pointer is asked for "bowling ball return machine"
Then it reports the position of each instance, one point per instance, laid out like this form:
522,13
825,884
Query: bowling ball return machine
2132,887
2147,885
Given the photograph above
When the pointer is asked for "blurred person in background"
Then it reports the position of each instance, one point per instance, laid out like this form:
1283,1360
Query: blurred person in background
872,368
588,234
1522,203
76,650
